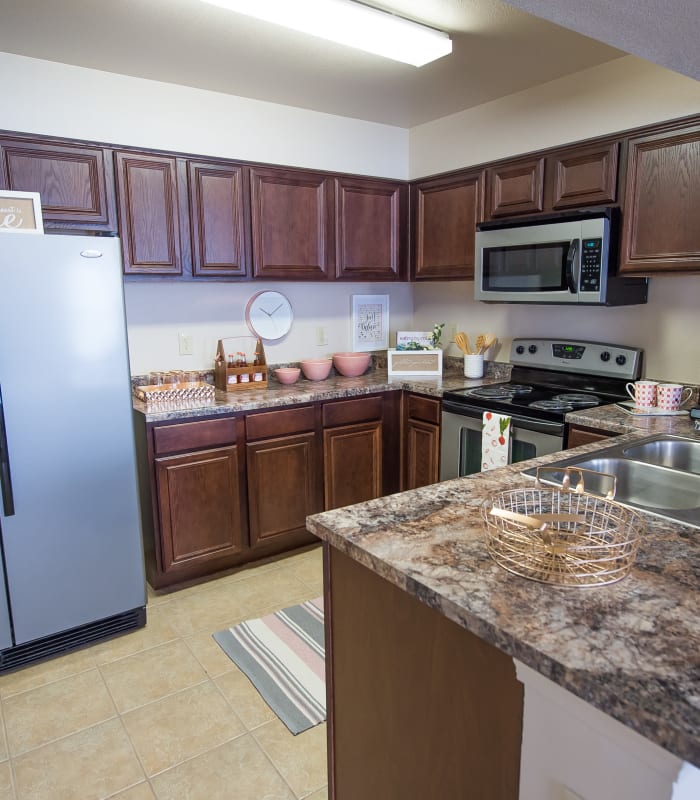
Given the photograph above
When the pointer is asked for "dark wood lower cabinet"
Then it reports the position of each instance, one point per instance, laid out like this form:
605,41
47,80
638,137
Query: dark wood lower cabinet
352,463
283,487
200,509
217,492
421,441
417,707
578,435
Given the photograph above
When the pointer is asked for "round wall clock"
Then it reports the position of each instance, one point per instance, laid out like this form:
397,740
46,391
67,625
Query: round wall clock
269,315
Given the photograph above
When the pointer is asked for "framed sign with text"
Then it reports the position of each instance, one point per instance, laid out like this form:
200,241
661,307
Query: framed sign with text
370,321
20,212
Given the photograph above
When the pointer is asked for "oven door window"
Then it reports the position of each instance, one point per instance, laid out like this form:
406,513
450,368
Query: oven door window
470,450
526,267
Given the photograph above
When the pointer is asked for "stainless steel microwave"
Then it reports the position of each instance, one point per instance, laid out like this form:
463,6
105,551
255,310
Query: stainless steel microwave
564,258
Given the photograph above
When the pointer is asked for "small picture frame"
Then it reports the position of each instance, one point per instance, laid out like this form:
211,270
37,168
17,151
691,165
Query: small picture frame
20,212
370,322
414,362
414,340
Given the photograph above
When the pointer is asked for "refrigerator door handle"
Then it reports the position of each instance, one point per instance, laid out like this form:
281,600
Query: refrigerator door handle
8,502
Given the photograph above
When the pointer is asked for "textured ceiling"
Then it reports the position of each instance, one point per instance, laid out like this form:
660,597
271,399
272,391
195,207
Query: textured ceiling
666,33
498,50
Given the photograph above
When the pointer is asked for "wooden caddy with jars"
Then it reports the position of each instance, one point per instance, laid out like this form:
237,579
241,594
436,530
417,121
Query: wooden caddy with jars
240,364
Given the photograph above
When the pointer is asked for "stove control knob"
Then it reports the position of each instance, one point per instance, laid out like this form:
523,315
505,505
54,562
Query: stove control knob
519,349
605,355
621,360
532,349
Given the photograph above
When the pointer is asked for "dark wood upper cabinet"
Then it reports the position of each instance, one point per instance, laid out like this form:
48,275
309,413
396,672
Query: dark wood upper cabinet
371,229
515,188
219,218
148,213
292,223
444,216
661,225
75,182
583,176
554,180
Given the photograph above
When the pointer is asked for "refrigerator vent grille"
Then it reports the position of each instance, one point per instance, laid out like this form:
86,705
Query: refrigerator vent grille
64,642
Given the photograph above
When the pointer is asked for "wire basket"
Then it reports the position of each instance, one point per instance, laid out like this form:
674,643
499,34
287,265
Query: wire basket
563,537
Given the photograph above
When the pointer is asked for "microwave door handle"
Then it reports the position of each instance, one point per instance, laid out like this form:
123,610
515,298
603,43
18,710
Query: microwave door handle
570,264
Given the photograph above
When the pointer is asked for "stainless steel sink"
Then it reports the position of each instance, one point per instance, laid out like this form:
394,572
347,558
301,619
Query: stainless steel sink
659,474
667,451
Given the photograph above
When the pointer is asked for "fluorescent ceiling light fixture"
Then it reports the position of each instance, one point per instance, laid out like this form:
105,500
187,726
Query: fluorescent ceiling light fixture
352,24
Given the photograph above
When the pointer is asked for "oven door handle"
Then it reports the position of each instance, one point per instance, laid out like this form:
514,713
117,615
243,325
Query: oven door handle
570,263
526,423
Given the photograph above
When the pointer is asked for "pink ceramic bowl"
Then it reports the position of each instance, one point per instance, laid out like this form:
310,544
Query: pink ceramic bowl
288,374
316,369
351,364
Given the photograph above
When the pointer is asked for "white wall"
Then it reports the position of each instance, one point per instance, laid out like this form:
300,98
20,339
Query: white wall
625,93
157,312
667,327
61,100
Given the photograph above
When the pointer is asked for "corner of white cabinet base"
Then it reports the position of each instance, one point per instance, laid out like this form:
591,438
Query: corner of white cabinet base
573,751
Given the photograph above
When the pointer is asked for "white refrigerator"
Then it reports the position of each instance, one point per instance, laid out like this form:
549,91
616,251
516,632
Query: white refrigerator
70,535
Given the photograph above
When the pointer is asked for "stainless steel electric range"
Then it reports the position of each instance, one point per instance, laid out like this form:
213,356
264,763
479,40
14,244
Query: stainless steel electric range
549,378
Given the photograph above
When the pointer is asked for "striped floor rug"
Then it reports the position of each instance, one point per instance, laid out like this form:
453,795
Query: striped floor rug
283,655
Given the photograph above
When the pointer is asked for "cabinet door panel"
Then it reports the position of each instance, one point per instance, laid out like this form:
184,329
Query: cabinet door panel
148,213
199,505
660,228
283,486
516,188
370,229
352,464
218,219
422,454
446,214
292,221
585,176
71,180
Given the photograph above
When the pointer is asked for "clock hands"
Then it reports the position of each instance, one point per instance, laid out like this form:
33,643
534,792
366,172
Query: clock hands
270,313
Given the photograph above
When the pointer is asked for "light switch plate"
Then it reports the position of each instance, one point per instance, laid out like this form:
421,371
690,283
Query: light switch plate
185,344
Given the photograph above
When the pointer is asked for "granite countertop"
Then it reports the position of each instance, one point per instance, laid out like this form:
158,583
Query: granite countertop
304,391
612,418
631,649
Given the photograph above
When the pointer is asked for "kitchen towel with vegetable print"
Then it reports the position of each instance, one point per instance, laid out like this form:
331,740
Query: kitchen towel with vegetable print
495,441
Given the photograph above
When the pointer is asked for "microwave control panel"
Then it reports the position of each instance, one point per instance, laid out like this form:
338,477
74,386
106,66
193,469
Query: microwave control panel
591,257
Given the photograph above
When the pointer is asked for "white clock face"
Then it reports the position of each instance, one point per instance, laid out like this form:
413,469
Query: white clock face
269,315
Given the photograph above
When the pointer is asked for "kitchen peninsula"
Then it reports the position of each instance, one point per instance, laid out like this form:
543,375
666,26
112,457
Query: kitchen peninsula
430,643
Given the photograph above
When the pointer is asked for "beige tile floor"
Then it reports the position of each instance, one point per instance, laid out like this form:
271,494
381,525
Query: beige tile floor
163,713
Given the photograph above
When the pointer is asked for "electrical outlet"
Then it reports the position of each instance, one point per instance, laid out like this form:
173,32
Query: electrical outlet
321,336
452,331
185,344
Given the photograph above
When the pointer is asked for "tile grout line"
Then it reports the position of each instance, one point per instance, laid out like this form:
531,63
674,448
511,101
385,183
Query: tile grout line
10,760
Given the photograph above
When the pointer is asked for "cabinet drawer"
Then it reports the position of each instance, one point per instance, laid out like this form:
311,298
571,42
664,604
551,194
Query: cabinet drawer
347,411
192,435
424,408
279,423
